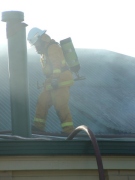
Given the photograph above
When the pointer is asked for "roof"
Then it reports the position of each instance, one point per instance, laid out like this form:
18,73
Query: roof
104,101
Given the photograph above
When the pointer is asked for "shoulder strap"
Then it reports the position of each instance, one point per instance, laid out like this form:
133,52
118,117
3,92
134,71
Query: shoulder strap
51,42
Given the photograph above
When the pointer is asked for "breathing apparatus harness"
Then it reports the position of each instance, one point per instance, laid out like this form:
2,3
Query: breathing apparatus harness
70,57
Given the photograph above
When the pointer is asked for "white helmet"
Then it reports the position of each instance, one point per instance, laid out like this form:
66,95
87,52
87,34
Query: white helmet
33,35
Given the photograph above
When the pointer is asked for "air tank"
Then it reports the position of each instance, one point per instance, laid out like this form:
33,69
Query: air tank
70,54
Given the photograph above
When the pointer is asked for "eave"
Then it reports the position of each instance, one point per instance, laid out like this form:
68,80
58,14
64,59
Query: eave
64,147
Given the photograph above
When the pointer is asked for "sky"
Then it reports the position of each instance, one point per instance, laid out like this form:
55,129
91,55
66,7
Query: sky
92,24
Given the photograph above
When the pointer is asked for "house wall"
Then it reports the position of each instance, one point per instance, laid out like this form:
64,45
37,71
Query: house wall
65,168
67,175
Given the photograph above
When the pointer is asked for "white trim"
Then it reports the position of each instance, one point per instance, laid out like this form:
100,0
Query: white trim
64,162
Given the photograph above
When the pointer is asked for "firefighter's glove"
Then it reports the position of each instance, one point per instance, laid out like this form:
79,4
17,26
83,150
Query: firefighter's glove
54,83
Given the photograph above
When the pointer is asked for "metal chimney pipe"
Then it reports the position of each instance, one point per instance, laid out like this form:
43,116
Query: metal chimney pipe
18,73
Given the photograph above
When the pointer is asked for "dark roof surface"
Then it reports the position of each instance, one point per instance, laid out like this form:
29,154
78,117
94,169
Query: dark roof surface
104,101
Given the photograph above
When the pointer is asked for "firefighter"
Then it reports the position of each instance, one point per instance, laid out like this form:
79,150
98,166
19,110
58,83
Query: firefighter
57,83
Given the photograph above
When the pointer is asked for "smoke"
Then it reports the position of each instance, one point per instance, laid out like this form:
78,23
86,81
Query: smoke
104,101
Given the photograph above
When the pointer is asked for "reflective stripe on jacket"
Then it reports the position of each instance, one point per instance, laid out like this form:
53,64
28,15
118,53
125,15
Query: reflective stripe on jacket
61,84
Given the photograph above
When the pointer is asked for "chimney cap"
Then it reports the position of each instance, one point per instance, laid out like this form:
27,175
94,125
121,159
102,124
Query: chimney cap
8,16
